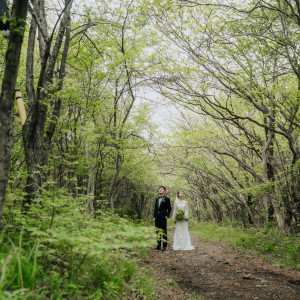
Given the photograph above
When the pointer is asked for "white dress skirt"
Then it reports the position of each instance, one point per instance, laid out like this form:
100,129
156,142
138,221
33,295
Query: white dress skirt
182,240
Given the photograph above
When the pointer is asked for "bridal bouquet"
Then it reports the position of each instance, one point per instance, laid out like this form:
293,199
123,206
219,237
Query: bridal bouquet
179,216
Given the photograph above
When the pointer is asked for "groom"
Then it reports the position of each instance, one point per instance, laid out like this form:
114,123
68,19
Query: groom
161,214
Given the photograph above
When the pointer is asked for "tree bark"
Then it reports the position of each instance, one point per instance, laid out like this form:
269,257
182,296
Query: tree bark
19,14
36,137
113,181
271,198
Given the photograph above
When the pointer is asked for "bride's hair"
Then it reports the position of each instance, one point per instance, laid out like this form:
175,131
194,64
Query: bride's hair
178,193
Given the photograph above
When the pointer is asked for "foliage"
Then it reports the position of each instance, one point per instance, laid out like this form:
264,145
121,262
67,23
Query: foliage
238,147
57,251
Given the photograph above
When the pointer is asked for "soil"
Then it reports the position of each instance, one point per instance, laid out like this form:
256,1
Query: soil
214,271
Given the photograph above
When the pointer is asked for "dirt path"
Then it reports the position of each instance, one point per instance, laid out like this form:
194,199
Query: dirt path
214,271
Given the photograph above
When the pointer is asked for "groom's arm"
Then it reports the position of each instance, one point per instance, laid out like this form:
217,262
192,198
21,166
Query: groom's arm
169,208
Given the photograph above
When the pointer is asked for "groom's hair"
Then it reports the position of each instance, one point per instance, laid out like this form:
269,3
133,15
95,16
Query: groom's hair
162,187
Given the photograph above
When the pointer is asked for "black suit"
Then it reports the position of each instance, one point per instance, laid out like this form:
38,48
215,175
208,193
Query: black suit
160,213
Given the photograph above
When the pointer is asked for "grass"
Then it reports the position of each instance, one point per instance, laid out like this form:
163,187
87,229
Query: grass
280,250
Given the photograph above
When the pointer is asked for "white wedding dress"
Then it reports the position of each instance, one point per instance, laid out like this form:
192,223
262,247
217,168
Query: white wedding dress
182,240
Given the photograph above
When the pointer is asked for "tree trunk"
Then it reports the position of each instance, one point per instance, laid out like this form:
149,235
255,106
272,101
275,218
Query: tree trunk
197,207
90,209
19,14
36,137
113,181
271,198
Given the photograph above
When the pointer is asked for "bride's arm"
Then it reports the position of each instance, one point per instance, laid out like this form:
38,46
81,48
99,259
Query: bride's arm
174,210
186,211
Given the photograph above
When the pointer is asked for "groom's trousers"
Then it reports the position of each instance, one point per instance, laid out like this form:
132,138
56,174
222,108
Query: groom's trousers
161,232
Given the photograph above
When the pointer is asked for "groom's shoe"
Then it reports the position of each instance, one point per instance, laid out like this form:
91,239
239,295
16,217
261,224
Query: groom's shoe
157,248
164,249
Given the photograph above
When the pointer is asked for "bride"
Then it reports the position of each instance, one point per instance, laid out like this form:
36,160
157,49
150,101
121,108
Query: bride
182,239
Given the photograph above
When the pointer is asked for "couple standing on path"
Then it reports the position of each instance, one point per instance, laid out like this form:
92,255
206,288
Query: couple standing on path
162,212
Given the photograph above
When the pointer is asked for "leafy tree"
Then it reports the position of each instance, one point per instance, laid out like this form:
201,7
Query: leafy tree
227,72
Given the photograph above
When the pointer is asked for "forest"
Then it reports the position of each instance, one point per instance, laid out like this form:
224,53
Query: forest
103,101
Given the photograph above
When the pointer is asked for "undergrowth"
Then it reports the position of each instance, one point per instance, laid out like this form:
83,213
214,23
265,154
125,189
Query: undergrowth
269,244
56,251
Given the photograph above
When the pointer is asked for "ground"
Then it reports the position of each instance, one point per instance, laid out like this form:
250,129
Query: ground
214,271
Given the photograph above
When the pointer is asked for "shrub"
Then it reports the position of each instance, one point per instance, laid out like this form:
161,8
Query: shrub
56,251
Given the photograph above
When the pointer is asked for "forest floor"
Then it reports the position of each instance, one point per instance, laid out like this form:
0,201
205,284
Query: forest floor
214,271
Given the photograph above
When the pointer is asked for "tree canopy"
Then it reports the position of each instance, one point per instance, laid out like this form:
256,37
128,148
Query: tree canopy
87,74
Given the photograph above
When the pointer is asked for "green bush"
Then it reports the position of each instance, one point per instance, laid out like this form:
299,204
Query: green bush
56,251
